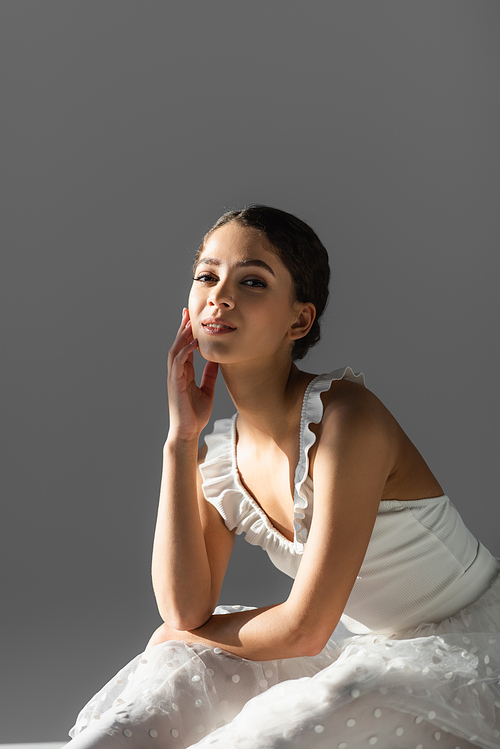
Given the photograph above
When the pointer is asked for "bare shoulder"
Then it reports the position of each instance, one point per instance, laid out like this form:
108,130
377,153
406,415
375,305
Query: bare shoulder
352,404
358,430
354,419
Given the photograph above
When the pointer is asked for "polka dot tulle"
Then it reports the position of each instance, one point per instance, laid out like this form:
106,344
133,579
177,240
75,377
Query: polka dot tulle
436,687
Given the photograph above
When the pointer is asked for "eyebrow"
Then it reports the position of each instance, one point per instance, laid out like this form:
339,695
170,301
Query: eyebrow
240,264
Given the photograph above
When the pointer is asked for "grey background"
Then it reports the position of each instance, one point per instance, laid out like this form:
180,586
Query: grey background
127,128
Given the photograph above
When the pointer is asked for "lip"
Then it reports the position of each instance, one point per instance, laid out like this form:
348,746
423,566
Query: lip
217,326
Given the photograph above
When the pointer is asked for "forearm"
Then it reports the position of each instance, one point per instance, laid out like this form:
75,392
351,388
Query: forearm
180,567
260,634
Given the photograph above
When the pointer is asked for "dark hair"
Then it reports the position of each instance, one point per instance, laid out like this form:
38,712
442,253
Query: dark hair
299,249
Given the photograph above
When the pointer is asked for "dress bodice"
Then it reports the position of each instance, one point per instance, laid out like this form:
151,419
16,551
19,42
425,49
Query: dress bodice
422,563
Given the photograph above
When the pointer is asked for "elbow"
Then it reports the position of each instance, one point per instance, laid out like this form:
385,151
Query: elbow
317,647
309,640
184,621
190,624
182,614
310,630
310,645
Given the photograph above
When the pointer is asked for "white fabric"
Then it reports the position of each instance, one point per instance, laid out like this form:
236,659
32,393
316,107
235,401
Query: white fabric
434,681
418,552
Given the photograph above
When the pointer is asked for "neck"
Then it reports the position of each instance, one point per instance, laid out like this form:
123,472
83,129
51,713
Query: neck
268,397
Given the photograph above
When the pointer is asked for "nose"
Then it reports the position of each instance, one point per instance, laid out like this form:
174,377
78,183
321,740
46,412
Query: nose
220,298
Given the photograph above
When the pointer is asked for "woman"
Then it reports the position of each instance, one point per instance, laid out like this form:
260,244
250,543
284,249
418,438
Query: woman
316,471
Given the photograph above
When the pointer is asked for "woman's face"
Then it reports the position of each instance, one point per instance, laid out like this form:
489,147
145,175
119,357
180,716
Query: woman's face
241,303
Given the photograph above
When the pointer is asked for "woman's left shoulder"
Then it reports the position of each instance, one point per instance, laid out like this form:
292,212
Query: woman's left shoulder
354,398
350,410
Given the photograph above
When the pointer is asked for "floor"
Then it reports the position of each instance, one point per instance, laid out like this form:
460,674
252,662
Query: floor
47,745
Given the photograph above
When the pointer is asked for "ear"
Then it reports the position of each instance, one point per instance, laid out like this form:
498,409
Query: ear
306,312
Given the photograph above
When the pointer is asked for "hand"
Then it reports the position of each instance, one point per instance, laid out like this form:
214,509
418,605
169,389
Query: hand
190,406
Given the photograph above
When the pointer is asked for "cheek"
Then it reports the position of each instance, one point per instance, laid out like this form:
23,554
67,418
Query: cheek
195,305
193,317
193,302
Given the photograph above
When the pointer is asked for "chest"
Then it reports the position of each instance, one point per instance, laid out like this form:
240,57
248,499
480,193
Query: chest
268,476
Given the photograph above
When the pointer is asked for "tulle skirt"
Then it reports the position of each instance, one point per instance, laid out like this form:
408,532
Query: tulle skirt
437,685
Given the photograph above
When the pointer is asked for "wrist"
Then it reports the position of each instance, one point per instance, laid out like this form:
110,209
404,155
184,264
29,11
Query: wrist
176,442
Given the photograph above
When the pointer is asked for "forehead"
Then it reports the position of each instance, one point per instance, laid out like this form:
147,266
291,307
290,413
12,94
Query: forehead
235,239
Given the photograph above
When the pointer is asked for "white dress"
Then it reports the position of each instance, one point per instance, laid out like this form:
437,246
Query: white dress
419,667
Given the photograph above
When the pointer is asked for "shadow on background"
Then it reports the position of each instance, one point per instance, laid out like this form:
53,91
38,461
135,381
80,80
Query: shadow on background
127,129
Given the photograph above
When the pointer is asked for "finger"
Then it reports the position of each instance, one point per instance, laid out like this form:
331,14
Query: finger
186,351
209,377
182,337
186,330
184,319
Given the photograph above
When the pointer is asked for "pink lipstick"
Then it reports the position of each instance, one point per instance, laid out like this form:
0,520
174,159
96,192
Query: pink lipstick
217,326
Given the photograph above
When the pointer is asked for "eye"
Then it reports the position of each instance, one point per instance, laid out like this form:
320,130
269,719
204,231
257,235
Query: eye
205,278
255,283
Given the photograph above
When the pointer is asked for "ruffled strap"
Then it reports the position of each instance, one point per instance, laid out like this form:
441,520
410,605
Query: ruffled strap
223,489
217,471
239,510
312,413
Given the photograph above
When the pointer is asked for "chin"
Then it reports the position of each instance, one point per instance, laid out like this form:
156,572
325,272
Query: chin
217,354
213,353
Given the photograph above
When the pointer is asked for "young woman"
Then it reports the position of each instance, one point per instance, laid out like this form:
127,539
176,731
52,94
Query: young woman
316,471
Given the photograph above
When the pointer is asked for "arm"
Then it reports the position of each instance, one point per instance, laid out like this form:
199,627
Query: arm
355,454
191,546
